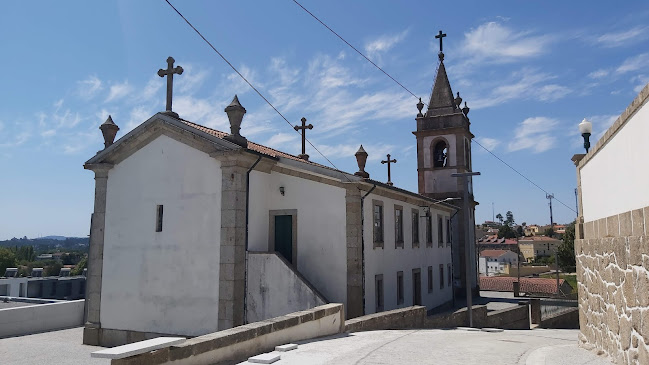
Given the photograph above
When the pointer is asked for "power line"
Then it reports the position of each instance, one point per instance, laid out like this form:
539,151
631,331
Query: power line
251,86
411,93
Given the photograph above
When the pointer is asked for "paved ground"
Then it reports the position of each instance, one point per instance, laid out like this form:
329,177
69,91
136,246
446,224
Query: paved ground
531,347
49,348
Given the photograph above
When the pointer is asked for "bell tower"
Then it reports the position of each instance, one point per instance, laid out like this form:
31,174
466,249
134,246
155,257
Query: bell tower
443,148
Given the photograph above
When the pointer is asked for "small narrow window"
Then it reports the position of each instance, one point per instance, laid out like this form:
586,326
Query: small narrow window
441,276
430,279
378,282
415,228
449,275
449,234
158,221
398,226
440,232
378,224
400,287
429,231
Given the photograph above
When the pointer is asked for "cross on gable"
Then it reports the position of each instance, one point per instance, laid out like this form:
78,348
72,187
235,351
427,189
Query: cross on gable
169,72
440,36
303,128
388,161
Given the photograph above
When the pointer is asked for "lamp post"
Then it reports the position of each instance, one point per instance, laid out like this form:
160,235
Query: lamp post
468,237
586,128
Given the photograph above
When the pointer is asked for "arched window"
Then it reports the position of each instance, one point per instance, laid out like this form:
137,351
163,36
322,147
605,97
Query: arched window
440,154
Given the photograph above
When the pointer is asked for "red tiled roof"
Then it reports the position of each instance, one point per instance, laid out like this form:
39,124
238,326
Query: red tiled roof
252,145
528,285
497,241
493,253
539,239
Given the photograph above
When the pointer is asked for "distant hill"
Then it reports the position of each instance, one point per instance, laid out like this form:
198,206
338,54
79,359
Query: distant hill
49,243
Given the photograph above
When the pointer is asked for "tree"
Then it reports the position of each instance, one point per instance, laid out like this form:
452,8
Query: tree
510,218
53,269
500,218
7,259
566,254
506,231
519,231
78,270
548,232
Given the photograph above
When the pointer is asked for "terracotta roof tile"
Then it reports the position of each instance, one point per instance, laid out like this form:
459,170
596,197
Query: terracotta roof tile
528,285
493,253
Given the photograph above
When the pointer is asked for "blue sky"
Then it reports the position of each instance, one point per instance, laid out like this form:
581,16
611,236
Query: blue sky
530,71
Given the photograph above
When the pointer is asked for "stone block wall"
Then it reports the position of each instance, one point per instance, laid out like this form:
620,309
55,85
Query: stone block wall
613,285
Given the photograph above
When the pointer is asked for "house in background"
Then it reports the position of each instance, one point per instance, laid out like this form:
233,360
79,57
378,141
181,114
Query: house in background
494,262
495,243
534,247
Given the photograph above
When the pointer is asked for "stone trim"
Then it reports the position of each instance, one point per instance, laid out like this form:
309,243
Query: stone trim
380,243
617,125
271,231
353,227
96,250
630,223
109,337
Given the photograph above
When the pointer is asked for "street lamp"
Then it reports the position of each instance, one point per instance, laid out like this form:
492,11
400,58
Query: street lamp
468,237
586,128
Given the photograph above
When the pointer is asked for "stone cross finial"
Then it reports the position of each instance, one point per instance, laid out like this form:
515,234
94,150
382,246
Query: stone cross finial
388,161
440,36
303,128
169,72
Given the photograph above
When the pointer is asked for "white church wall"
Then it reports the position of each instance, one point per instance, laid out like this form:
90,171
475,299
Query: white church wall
387,261
168,281
321,220
612,179
274,289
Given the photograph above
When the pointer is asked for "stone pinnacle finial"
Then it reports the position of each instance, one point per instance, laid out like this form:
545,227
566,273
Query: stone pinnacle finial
109,130
361,159
235,114
458,100
465,109
420,106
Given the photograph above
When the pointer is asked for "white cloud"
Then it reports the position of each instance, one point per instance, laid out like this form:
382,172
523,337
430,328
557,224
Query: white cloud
88,88
524,84
494,42
191,80
534,134
151,89
640,81
377,47
118,91
17,140
617,39
598,74
284,142
488,143
634,63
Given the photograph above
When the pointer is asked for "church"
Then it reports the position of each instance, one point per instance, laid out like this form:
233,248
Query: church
195,230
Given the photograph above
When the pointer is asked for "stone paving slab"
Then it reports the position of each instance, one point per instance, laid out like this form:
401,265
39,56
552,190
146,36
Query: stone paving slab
267,358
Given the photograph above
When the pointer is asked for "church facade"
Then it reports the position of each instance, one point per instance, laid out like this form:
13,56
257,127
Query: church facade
196,230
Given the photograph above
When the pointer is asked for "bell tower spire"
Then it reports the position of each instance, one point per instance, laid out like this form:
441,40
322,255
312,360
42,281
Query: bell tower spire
443,148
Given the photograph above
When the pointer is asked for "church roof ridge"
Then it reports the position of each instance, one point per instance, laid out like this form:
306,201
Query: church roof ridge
442,95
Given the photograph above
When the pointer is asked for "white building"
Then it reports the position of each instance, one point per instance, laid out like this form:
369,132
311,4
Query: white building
195,230
493,262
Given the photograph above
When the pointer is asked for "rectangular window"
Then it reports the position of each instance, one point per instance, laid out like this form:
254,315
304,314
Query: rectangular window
430,279
158,220
378,223
440,232
449,232
400,287
415,228
449,274
441,276
429,231
378,282
398,226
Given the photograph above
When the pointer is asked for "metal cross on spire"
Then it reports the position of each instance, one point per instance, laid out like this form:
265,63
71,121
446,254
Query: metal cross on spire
388,161
303,128
440,36
169,72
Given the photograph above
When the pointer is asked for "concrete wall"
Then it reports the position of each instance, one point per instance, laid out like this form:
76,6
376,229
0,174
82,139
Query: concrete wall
238,343
274,289
387,261
162,282
614,177
11,287
26,320
321,248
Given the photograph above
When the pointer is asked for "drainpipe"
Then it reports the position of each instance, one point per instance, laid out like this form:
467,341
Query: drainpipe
245,276
363,243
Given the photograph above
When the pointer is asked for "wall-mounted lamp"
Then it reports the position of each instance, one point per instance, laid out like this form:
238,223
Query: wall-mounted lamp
586,128
281,190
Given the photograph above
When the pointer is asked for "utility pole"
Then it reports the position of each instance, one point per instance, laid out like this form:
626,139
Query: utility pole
468,239
550,197
576,203
493,217
556,262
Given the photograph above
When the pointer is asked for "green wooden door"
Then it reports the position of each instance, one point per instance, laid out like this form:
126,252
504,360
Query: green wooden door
284,236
